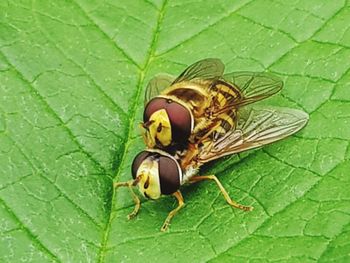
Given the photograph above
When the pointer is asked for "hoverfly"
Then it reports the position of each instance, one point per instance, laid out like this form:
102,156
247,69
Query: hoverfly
202,98
202,110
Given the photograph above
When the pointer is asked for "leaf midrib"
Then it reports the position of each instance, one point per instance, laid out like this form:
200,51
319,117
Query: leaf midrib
126,145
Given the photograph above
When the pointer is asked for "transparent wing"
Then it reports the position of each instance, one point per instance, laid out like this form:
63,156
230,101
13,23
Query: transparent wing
210,68
256,127
156,85
252,86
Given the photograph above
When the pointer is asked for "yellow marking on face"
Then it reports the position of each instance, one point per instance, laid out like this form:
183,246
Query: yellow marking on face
149,184
160,129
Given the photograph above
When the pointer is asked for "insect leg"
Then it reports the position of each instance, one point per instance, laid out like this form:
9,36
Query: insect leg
222,189
180,200
130,184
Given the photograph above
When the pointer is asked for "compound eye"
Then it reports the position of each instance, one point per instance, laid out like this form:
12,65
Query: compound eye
137,162
181,121
179,116
169,175
152,106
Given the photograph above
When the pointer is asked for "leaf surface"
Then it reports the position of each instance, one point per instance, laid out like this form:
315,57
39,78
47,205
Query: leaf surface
72,79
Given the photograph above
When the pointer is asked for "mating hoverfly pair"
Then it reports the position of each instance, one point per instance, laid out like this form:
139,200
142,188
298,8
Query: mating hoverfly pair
200,116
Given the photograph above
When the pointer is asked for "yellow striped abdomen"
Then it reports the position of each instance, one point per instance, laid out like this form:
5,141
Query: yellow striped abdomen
224,95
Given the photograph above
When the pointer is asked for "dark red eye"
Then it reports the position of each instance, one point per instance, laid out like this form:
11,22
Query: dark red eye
169,175
152,106
181,122
137,162
179,116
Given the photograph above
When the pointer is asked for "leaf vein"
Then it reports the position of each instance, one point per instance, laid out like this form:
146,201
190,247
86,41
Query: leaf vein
246,238
38,170
98,87
37,94
106,35
203,30
30,234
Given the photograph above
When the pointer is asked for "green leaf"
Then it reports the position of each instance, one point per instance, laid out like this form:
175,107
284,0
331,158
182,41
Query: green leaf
72,78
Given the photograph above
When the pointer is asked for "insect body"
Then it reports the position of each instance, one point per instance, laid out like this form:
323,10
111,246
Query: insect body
202,99
206,118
